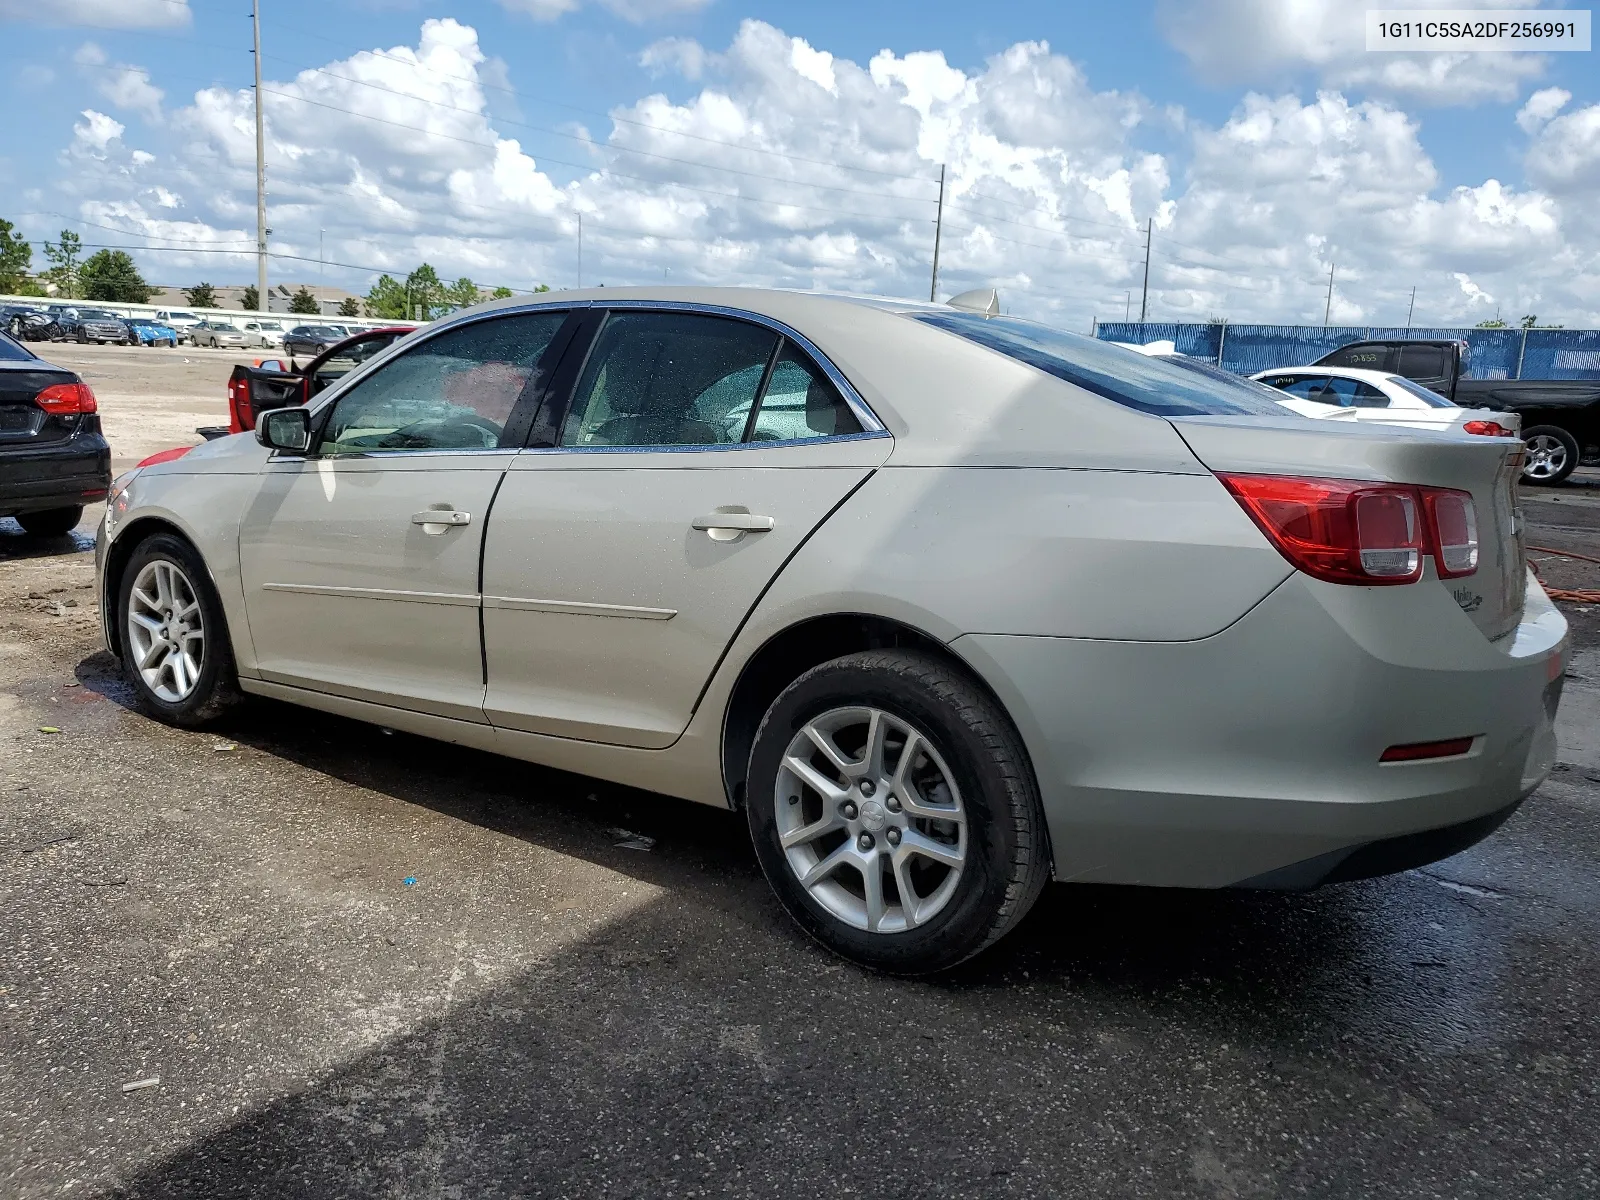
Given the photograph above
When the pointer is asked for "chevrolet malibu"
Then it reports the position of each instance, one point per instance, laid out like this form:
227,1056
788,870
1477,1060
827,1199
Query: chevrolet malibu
947,603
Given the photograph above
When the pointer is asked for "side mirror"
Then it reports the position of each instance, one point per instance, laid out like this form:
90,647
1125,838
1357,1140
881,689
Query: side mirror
286,429
271,364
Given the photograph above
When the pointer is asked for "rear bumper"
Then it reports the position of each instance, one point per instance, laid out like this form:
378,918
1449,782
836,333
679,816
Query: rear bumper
1251,758
74,472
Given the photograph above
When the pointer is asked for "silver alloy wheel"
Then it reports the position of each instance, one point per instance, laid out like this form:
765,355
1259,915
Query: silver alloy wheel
1547,457
166,630
870,819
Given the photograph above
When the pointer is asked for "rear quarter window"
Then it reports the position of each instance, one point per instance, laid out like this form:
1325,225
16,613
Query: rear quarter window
1125,377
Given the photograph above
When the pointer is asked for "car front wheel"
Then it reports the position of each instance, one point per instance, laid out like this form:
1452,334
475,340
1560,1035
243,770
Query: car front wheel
895,813
176,652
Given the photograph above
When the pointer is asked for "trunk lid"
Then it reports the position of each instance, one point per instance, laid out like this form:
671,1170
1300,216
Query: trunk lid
1489,468
22,422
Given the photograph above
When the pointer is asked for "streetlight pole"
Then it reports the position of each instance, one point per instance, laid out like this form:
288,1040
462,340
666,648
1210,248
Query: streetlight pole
261,171
321,272
938,230
1328,308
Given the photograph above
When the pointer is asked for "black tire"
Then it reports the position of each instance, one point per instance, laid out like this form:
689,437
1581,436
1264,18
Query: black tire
1007,855
217,686
1553,463
52,522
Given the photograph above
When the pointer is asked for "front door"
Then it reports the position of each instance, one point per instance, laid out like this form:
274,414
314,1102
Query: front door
697,454
360,560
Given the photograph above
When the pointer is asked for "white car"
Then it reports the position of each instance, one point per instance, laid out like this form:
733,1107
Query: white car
265,335
1355,394
948,604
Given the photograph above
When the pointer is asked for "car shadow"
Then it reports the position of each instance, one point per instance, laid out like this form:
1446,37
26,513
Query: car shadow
16,544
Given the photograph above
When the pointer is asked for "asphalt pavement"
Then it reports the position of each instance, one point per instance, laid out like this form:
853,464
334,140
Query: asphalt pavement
362,964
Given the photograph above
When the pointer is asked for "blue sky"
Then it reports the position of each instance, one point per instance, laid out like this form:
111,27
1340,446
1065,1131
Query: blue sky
1262,139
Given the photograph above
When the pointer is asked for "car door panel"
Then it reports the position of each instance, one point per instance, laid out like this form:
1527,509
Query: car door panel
347,594
606,609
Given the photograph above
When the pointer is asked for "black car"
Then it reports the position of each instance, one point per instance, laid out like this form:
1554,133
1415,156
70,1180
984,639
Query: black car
92,325
311,339
27,324
53,458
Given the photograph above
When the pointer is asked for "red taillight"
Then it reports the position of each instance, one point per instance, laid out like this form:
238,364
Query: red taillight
1354,531
162,456
66,398
239,405
1414,751
1487,429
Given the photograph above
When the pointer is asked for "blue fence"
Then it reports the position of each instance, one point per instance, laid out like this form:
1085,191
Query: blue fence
1492,353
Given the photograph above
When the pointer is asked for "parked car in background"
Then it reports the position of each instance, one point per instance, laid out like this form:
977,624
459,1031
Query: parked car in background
975,602
53,458
1560,417
179,319
145,332
27,324
311,339
266,335
219,335
1348,393
274,383
97,325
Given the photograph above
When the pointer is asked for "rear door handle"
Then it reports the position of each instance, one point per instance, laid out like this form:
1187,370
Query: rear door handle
437,520
730,526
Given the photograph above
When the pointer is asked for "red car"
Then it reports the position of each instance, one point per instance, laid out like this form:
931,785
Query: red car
276,384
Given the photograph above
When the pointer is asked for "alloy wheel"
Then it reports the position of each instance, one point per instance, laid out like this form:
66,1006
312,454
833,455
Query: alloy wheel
166,630
1546,457
870,819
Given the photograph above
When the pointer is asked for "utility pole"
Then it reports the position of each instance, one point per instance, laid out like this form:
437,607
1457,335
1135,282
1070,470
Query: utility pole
261,172
1328,308
1411,308
938,231
321,272
580,250
1144,294
1127,306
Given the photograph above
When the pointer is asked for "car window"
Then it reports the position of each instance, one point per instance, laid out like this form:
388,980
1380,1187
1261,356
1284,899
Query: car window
1431,399
668,379
1368,396
1126,377
801,403
451,392
1302,387
1422,362
1367,357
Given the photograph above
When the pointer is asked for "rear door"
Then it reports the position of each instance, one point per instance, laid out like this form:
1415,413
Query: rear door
697,453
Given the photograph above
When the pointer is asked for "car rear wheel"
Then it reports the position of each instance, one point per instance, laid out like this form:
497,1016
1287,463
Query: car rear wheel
895,813
1552,454
176,653
52,522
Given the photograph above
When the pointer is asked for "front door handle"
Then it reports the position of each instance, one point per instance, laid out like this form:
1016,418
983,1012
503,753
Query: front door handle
731,526
435,521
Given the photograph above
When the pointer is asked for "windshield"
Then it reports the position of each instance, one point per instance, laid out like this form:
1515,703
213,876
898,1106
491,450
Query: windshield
1431,399
96,314
1151,385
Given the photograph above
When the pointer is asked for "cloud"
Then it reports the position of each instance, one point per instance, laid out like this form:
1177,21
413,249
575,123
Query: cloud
1277,41
1541,106
125,86
789,164
636,11
100,14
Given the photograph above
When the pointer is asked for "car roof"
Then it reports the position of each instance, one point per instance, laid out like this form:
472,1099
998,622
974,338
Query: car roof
1361,373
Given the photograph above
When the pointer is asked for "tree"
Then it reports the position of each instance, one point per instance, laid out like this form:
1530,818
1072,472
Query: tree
304,303
543,287
112,275
64,268
16,255
349,307
424,293
463,293
1497,323
1532,322
387,299
500,293
250,298
201,295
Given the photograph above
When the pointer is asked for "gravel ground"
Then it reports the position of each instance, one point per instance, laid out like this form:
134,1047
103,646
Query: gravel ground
364,964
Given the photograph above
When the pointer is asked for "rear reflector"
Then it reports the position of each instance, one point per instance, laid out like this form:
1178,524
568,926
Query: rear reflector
1356,531
66,398
1413,751
1487,429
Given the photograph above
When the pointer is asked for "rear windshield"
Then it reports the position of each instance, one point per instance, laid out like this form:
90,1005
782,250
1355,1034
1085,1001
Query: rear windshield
1431,399
14,351
1134,380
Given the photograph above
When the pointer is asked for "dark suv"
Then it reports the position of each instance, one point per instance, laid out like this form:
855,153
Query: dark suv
53,459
